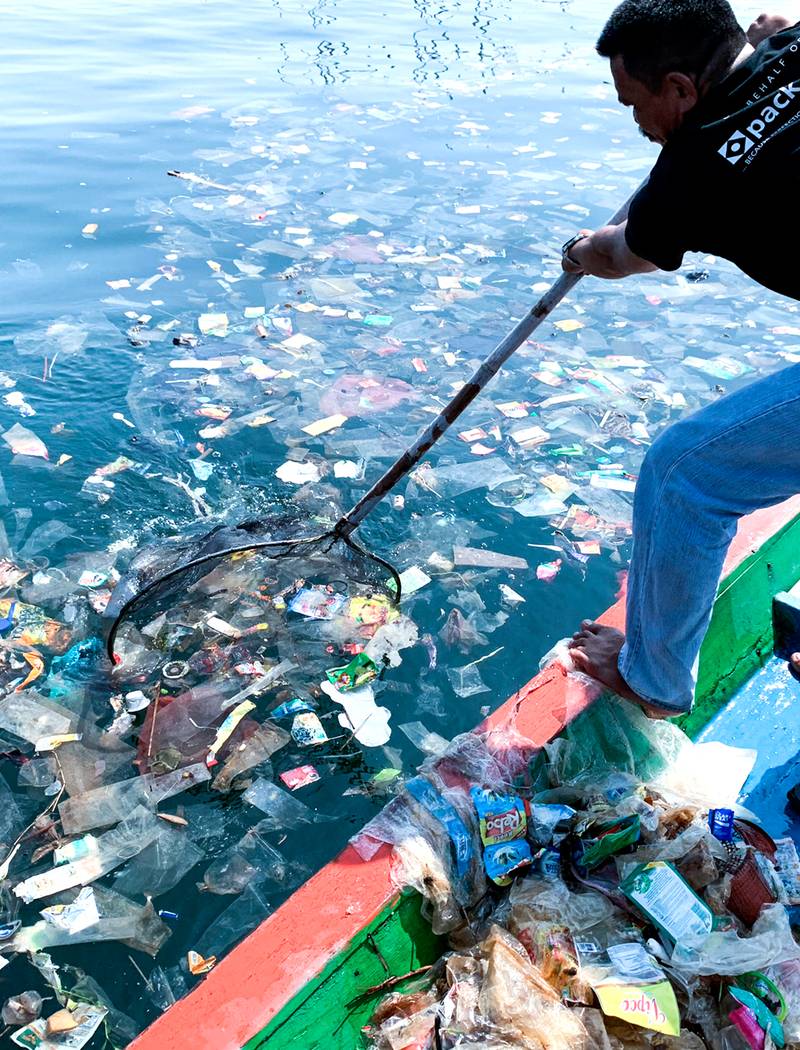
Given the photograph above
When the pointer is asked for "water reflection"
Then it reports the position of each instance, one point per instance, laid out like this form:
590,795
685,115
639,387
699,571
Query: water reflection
320,14
454,39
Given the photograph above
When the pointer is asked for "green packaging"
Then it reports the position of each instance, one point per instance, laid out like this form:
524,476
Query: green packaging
668,900
360,671
603,839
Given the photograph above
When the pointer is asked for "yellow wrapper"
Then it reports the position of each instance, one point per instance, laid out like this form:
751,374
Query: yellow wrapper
650,1006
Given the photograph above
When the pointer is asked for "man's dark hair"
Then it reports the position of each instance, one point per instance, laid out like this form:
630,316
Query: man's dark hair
656,37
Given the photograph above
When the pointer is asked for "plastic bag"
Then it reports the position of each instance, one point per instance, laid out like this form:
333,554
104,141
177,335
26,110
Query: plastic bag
459,1010
160,866
612,737
120,1029
517,1001
11,819
399,1032
488,761
460,631
675,850
239,918
22,1009
252,861
439,855
386,828
437,847
385,645
725,953
708,774
623,1036
541,900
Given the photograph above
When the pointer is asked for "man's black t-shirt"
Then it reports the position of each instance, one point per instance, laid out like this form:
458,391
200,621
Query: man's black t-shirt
727,181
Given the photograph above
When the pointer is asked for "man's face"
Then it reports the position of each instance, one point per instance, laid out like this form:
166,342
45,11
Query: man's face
657,114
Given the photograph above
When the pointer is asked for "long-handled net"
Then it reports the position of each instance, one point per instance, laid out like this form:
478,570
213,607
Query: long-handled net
173,596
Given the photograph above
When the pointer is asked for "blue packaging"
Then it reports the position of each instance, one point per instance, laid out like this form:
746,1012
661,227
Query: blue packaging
448,817
79,663
721,823
8,929
547,864
291,707
504,859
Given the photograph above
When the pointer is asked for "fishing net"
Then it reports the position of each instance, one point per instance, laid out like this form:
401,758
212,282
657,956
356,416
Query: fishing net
229,604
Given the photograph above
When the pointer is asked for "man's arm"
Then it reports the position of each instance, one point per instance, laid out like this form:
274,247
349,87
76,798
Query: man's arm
765,26
605,253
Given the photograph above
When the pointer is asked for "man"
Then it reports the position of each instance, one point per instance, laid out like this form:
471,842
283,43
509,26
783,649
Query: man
725,108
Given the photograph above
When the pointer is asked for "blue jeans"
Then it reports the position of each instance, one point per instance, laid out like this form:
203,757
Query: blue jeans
700,476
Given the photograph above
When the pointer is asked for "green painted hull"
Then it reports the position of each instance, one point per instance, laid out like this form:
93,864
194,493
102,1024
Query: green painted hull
320,1015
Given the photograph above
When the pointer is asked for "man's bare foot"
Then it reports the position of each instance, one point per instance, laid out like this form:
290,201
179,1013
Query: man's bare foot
595,650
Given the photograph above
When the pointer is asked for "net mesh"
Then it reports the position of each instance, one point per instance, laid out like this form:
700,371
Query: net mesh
241,598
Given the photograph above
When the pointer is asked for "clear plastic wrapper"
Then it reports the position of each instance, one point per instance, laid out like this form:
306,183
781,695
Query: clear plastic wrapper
118,919
236,921
110,803
88,764
516,1000
12,816
166,986
38,773
251,752
283,811
160,866
32,717
466,681
425,739
545,900
725,952
230,873
108,851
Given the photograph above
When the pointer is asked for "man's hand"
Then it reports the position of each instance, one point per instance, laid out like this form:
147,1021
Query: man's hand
766,26
605,253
